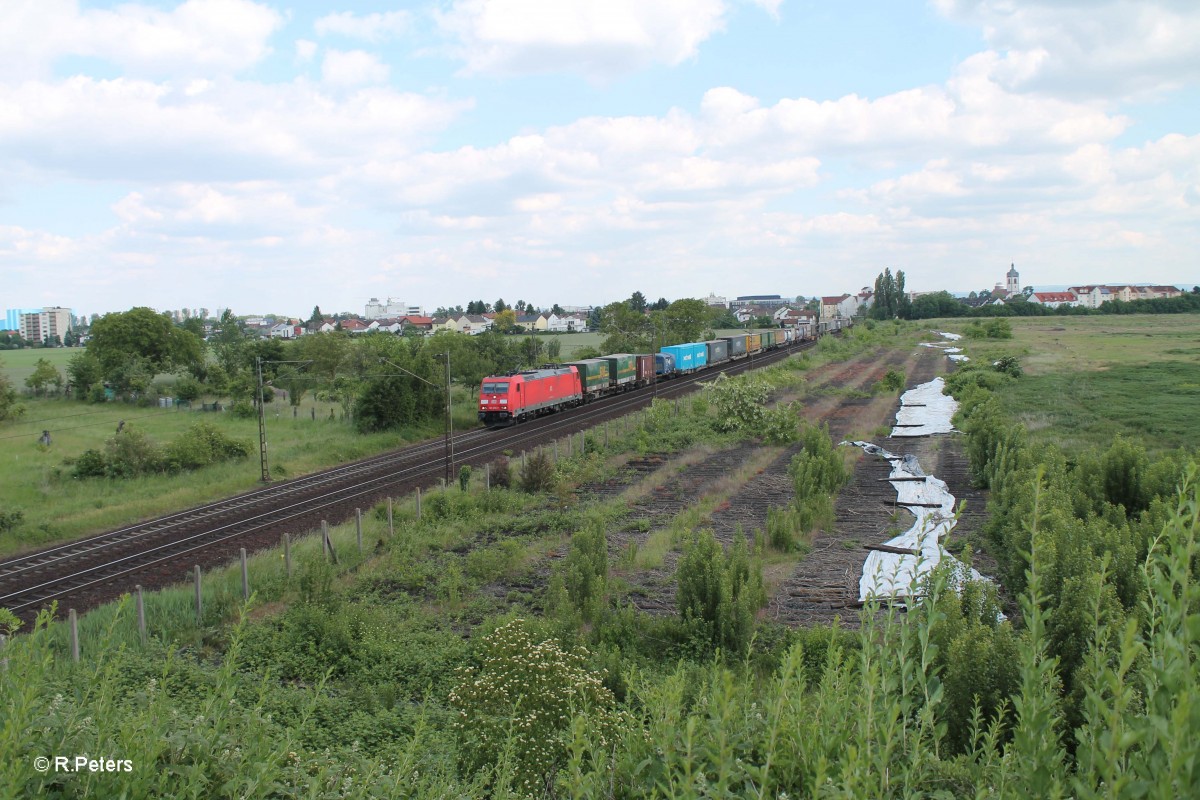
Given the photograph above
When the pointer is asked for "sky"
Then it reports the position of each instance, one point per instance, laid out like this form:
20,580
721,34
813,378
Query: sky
271,156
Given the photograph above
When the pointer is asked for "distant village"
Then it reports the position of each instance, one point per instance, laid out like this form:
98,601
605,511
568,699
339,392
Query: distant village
54,326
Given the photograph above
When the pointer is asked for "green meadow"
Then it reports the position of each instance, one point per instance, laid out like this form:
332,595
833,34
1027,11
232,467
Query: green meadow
1090,378
37,480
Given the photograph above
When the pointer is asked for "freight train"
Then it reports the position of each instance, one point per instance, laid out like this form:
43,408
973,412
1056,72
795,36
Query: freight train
509,399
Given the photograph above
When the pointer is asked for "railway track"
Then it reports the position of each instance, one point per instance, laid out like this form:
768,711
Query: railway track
90,571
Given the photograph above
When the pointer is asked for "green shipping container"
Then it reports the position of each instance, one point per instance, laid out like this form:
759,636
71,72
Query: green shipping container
622,367
593,373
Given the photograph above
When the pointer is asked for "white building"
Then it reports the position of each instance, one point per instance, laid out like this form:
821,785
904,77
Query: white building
37,326
392,308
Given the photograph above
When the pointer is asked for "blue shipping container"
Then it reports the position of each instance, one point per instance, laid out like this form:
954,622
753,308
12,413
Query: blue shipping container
664,364
688,357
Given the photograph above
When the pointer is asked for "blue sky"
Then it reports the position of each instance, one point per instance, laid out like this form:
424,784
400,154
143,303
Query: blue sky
273,156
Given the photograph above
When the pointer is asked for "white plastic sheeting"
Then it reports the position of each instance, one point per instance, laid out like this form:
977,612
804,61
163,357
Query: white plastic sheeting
952,352
924,410
897,576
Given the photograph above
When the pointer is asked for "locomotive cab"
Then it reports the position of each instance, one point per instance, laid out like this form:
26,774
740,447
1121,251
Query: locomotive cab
495,406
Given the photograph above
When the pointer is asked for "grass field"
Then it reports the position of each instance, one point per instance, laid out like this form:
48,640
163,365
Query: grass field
57,507
18,364
1089,378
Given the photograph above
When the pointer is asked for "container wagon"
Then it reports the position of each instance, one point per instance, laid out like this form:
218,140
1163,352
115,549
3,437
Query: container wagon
688,357
753,343
769,342
594,377
718,351
622,370
645,370
508,399
737,345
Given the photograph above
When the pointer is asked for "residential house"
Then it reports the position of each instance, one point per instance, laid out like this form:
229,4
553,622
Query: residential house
842,305
419,323
556,324
532,322
1054,299
286,330
355,325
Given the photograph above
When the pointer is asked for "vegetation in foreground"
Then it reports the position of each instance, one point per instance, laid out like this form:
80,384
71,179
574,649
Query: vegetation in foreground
407,674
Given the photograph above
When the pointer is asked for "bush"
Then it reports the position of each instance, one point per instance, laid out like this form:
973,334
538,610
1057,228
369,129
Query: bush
893,381
515,708
501,473
817,473
537,474
718,595
243,409
586,571
202,445
9,520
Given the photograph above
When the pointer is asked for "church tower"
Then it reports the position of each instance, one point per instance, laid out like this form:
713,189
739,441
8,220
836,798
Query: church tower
1014,280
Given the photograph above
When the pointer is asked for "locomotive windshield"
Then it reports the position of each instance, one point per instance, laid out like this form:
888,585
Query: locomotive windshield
495,388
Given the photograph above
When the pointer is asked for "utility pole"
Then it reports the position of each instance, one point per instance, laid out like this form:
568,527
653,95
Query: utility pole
262,424
262,414
449,425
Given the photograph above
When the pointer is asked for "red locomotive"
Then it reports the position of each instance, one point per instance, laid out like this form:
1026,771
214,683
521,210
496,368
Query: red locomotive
508,399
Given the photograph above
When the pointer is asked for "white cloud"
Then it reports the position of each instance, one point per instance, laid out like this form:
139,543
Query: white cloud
369,27
305,50
137,130
598,40
208,36
352,68
1105,49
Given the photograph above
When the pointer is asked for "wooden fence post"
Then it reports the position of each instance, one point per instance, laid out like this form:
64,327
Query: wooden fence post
3,658
358,528
287,554
418,502
391,527
556,451
141,613
605,434
487,477
199,597
73,620
570,445
245,577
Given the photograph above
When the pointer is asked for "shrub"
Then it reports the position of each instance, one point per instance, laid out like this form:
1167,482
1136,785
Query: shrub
537,473
464,477
893,381
202,445
515,708
243,409
501,473
1009,365
817,473
586,571
9,520
719,595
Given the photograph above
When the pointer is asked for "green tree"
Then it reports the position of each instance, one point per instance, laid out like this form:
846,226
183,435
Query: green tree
499,306
44,374
554,350
557,310
637,301
9,408
146,337
85,372
686,321
627,329
505,321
